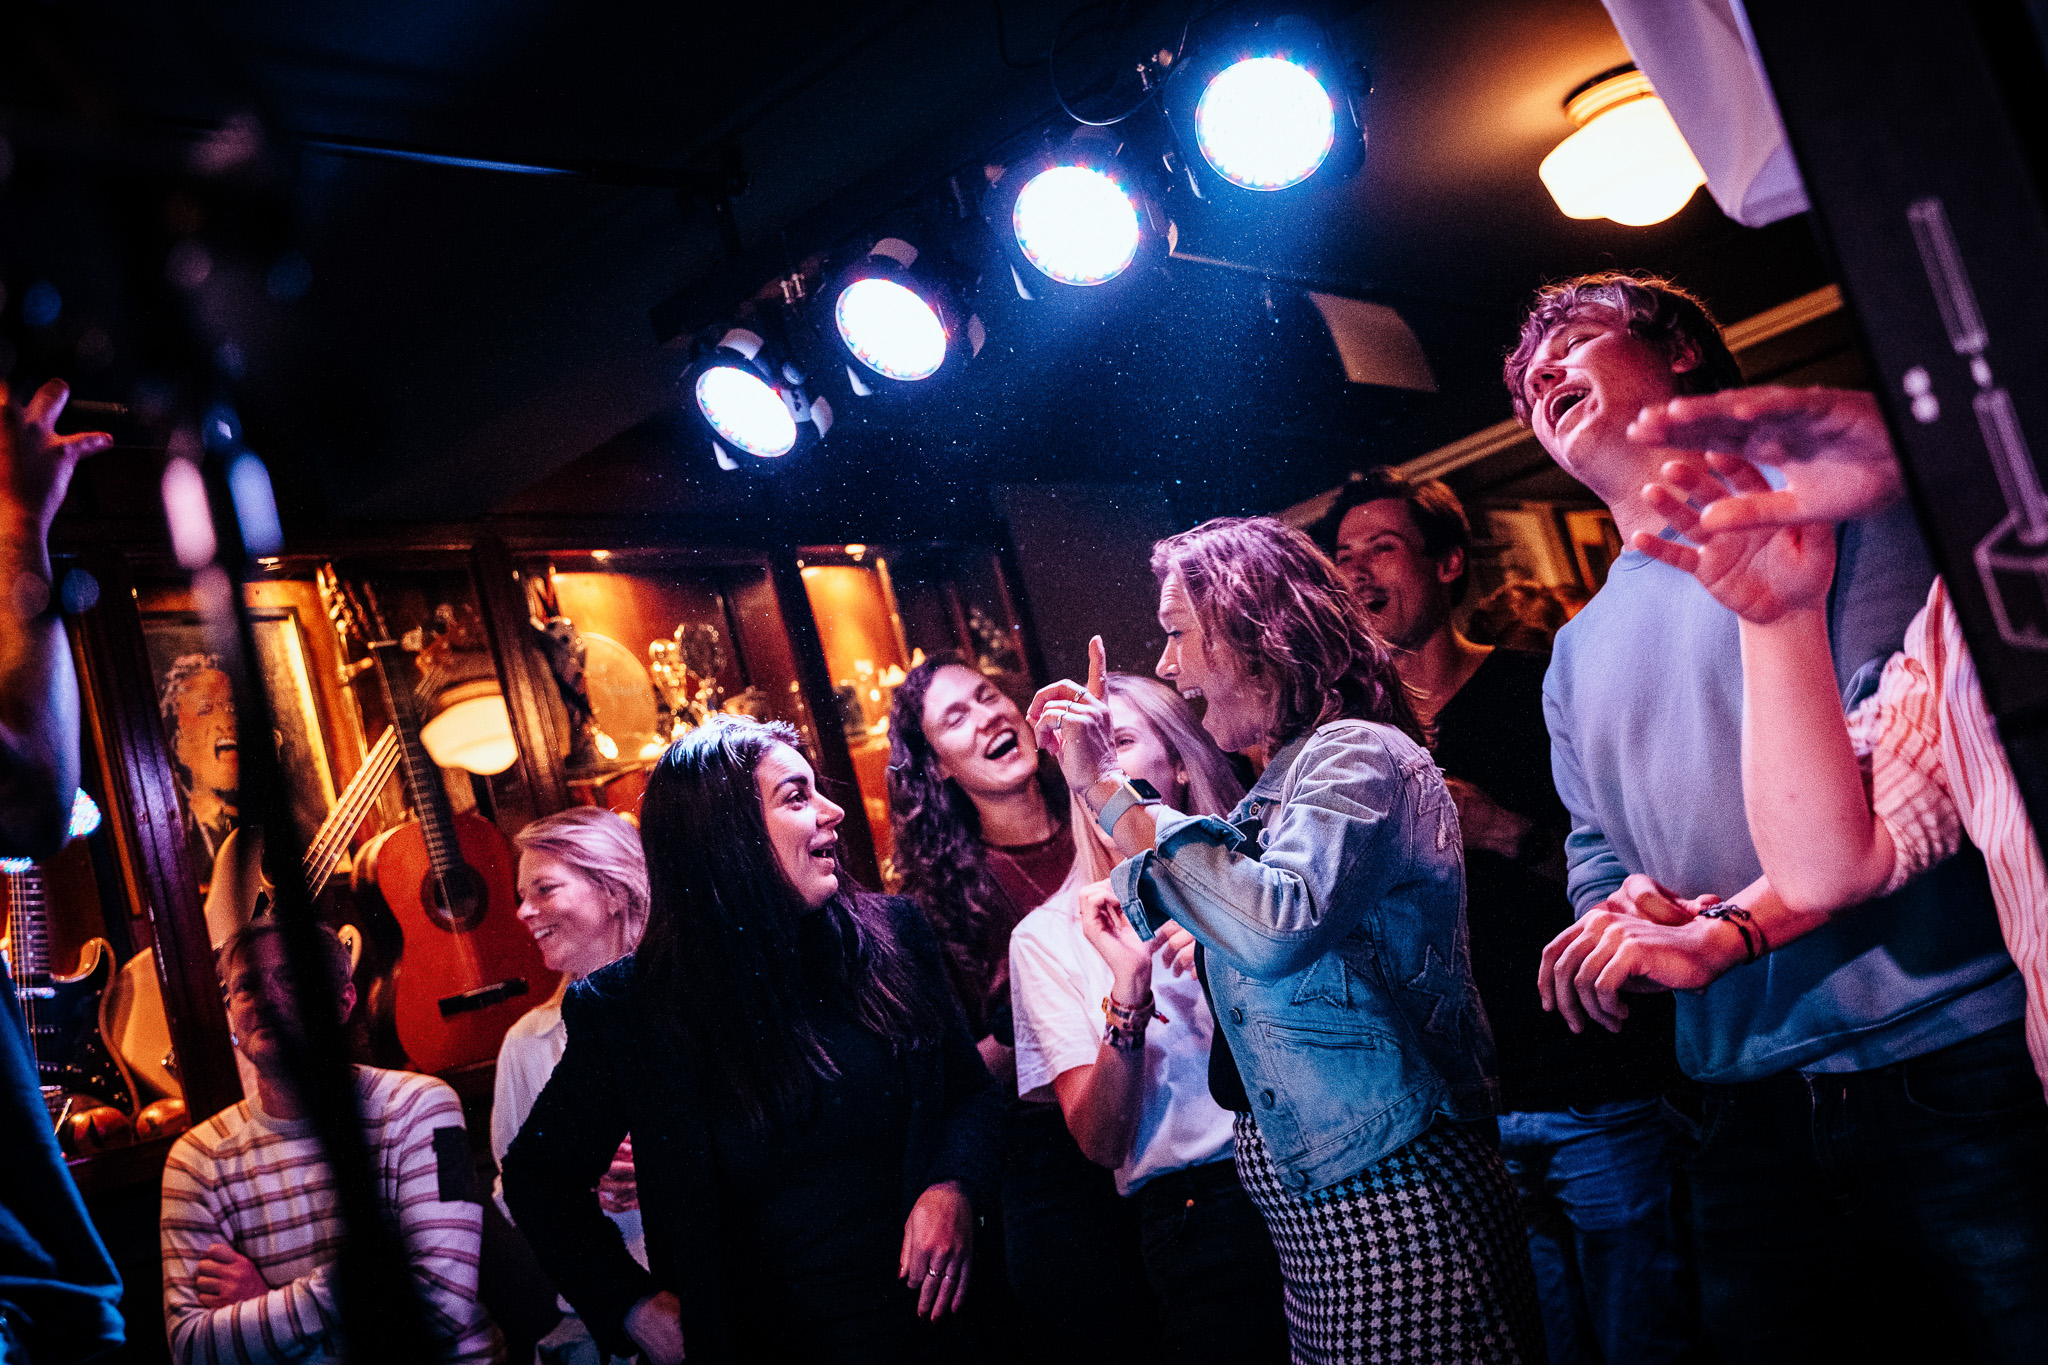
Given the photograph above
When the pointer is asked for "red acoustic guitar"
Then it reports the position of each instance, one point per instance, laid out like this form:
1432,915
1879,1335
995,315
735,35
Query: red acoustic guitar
469,968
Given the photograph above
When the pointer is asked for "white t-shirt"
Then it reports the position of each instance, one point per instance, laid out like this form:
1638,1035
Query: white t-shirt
1057,981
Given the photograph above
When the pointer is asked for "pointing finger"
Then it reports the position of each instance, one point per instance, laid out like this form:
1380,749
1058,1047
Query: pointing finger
1097,665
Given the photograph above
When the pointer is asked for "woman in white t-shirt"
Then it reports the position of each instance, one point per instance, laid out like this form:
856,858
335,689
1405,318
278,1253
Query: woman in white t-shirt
583,897
1124,1049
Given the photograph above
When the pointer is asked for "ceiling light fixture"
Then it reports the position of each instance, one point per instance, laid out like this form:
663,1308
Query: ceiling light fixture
896,323
1075,218
750,405
1627,162
1266,105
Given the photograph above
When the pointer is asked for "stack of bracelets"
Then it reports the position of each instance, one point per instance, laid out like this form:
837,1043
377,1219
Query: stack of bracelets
1126,1023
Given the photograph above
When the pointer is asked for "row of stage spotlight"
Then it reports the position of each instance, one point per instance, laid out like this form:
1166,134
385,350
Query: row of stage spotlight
1266,105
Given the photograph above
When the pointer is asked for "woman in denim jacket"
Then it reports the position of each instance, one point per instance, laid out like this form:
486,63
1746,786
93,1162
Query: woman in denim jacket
1330,913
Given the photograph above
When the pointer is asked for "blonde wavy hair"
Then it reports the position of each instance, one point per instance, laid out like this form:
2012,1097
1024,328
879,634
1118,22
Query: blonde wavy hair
1213,789
603,846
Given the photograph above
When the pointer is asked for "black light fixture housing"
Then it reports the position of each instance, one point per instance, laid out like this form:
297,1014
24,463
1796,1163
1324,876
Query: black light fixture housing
1257,158
745,396
1078,219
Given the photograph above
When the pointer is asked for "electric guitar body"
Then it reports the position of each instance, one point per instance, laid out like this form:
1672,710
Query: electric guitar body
63,1012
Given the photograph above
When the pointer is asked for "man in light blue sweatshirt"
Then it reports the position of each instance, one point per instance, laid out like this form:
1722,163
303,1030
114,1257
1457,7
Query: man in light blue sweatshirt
1873,1178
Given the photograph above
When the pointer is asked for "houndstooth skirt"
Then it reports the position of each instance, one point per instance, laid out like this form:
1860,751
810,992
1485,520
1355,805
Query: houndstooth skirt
1419,1257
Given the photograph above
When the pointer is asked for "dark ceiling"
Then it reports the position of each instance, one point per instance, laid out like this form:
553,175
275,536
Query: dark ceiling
468,334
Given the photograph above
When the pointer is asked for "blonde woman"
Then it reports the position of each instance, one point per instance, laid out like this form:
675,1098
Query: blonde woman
583,897
1145,1111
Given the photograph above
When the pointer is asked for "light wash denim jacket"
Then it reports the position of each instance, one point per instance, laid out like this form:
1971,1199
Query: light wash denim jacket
1337,963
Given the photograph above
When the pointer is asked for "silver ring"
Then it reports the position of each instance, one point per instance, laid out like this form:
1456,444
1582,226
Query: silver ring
1057,719
931,1274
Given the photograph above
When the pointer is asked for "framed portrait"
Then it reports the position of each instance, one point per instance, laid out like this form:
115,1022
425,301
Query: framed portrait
197,707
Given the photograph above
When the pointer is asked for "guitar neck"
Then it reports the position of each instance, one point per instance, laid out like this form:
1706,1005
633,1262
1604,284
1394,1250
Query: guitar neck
422,778
28,928
354,804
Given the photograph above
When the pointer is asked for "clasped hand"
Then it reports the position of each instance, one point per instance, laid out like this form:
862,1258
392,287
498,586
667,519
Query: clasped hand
1640,940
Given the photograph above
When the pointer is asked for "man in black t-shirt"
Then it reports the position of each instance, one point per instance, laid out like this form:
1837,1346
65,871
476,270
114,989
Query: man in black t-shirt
1584,1133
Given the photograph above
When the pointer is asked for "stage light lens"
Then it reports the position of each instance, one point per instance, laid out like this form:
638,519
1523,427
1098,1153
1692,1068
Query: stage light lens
890,329
1265,124
745,412
1076,225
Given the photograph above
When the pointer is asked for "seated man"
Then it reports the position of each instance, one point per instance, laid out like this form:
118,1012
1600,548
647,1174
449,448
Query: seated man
250,1226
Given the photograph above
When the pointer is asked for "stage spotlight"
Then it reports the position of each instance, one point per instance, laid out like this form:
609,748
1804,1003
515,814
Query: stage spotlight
1265,123
1077,225
896,321
748,404
1267,105
1076,218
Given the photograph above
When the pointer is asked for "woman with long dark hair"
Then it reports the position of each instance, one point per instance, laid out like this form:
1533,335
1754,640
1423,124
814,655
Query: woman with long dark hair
810,1122
980,823
1330,913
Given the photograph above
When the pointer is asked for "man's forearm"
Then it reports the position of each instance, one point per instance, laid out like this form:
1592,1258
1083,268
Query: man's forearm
38,701
1809,815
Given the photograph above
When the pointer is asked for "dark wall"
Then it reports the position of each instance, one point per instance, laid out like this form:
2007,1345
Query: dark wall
1085,552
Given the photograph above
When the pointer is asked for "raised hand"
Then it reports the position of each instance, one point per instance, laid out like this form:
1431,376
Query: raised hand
1831,443
1759,575
1073,721
36,464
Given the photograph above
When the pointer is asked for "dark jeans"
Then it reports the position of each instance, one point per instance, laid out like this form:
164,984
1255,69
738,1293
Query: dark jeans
1071,1243
1893,1214
1211,1266
1596,1188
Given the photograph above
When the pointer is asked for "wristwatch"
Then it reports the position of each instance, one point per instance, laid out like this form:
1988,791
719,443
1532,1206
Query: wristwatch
1127,792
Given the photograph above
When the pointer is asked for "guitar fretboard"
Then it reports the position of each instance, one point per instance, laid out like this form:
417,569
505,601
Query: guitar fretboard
27,928
422,777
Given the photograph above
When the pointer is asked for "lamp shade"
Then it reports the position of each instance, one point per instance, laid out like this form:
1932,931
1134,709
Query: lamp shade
472,730
1627,162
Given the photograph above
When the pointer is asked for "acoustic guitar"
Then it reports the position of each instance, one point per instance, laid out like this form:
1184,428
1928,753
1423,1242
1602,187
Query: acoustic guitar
469,968
63,1012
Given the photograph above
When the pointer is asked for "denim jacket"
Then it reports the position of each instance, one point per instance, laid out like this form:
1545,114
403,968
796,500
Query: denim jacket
1337,961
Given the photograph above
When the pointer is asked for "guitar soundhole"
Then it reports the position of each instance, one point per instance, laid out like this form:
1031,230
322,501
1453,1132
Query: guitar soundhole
457,903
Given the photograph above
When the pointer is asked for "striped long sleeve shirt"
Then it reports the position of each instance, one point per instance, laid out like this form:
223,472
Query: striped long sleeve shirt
1937,771
260,1185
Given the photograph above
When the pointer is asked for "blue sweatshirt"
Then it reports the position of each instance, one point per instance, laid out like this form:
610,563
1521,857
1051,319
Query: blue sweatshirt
1644,703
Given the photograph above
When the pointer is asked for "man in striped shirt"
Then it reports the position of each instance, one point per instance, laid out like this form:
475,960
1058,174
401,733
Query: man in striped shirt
1839,812
250,1225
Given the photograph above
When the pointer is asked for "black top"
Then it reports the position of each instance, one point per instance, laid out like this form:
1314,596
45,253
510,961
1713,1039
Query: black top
816,1204
781,1246
1492,734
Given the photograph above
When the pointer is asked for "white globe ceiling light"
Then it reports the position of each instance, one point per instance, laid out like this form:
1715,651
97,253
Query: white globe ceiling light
1265,123
1627,162
749,406
1077,224
472,730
